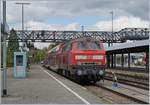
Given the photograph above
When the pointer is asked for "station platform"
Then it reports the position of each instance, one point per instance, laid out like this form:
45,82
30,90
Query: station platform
46,87
130,73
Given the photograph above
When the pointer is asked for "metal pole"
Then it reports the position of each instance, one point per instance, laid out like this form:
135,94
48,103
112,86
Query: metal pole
108,43
111,42
4,52
112,61
122,61
108,60
112,13
23,24
129,61
147,61
22,4
82,28
22,17
115,60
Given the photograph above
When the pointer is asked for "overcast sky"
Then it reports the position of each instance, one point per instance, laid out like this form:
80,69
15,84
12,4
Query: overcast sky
71,14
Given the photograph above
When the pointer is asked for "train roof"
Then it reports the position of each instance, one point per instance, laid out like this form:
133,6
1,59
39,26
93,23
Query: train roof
73,40
84,38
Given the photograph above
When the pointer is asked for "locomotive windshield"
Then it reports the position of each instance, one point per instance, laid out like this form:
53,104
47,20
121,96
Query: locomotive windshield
88,45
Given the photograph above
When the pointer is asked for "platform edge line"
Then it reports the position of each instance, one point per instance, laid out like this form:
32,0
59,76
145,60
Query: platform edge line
65,86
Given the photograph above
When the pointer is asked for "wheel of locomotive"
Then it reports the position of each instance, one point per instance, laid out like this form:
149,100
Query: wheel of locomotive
68,74
48,67
93,82
78,79
73,77
63,72
60,71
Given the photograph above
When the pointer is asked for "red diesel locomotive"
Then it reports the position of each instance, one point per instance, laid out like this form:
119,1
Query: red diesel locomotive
82,59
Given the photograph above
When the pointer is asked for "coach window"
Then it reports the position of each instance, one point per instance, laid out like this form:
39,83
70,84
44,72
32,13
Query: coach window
64,48
53,50
138,60
68,47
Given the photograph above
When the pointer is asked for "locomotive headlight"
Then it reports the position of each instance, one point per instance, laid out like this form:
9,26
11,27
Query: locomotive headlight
79,72
80,57
101,72
97,57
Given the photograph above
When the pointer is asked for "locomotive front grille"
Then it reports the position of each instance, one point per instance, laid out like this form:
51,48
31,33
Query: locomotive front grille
89,63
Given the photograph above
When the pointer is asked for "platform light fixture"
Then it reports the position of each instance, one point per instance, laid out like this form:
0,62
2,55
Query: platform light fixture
22,4
112,17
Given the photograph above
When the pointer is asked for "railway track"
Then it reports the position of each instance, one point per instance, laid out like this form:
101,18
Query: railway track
131,83
129,80
130,98
113,97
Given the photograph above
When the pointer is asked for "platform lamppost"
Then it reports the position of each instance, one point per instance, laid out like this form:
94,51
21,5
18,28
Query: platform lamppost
22,4
82,29
112,16
4,74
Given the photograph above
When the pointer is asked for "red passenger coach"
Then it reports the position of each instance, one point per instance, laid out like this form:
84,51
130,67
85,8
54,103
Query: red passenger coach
82,59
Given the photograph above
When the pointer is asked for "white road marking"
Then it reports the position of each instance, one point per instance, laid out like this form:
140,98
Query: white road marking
65,86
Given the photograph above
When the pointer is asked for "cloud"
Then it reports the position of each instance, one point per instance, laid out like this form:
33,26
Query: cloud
34,25
137,8
42,10
120,23
127,13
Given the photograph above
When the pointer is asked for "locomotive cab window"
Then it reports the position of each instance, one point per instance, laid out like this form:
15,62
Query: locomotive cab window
88,45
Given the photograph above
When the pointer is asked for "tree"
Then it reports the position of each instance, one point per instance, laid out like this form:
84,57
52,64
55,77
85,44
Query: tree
39,54
13,46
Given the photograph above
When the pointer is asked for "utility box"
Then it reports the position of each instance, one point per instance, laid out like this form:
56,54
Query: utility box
20,65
